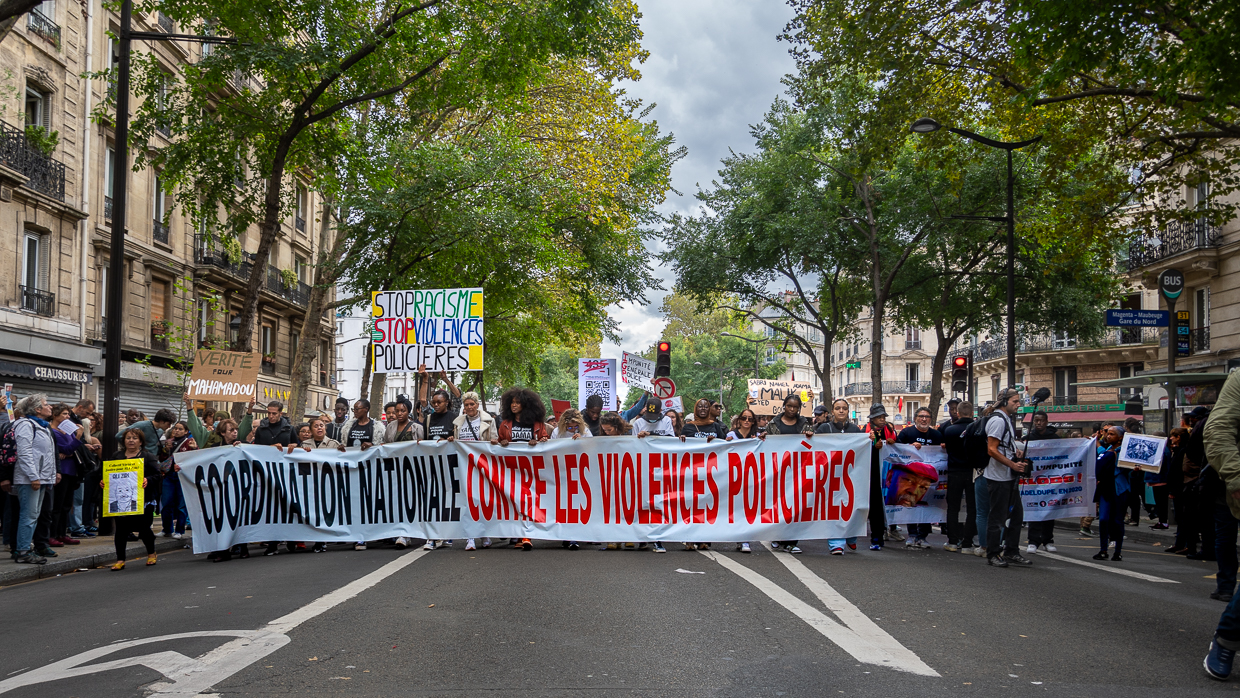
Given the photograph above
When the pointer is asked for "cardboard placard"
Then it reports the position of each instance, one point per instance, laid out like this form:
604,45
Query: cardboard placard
767,397
224,375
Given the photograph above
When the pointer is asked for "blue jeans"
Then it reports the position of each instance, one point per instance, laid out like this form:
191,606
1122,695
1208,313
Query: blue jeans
982,495
31,501
841,542
1225,528
75,514
173,504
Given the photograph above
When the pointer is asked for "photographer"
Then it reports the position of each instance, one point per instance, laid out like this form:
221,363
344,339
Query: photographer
1002,484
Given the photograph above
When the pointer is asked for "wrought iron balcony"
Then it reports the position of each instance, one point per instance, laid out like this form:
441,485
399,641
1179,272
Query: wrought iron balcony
107,208
241,80
912,344
890,388
300,223
1036,344
297,293
38,302
1200,338
212,254
159,231
165,129
42,25
1176,238
44,174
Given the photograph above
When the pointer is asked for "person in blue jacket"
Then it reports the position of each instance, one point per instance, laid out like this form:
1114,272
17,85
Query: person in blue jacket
1113,488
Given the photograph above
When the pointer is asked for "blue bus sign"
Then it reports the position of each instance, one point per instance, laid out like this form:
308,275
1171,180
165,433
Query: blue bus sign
1138,318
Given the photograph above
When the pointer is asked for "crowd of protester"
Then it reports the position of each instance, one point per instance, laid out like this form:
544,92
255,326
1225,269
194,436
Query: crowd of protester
54,486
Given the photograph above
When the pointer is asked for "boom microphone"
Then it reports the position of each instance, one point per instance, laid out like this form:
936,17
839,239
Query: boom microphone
1041,395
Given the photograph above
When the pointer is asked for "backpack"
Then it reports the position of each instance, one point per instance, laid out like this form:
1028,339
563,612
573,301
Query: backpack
8,452
977,444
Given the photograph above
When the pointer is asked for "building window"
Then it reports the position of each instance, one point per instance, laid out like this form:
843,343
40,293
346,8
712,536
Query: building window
912,338
37,112
1128,371
294,338
1202,303
912,374
109,169
301,269
234,329
910,410
1065,388
339,328
1062,340
159,210
303,203
103,293
269,340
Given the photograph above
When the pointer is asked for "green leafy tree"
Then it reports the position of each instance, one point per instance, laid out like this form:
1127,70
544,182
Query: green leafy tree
277,103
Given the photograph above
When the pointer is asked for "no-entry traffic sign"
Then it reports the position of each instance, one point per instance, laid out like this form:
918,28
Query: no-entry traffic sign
664,388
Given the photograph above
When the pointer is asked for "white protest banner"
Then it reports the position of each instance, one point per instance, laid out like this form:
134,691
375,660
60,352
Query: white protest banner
637,371
601,489
767,397
914,483
596,377
441,328
1061,484
674,403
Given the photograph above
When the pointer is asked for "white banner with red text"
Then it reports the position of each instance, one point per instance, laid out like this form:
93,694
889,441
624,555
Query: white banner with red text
602,489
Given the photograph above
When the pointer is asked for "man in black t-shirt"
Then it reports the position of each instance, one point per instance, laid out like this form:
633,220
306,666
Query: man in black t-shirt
920,435
953,405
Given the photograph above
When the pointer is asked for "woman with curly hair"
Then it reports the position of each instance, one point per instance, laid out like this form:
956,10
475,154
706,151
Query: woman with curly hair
522,418
572,425
613,424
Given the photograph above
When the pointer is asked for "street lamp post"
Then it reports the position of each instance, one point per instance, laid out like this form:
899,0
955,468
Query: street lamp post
757,355
927,125
720,371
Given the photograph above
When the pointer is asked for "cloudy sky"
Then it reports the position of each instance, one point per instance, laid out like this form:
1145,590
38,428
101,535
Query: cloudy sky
714,68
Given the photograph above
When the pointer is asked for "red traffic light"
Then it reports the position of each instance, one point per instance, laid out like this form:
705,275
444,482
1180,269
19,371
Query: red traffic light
664,346
960,362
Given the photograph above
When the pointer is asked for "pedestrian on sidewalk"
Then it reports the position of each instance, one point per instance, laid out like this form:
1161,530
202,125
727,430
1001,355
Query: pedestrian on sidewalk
34,477
1041,533
1219,439
134,448
1113,486
67,446
1002,484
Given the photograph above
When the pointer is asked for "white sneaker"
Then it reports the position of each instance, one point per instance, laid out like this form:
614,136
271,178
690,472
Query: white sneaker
1050,548
774,545
897,535
1031,549
980,552
910,543
967,551
430,545
401,543
486,542
745,548
469,544
359,546
951,547
178,536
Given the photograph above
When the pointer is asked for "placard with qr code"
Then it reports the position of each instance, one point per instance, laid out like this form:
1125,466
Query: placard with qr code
596,377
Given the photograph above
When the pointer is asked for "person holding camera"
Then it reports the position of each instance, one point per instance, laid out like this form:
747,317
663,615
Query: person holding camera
1002,484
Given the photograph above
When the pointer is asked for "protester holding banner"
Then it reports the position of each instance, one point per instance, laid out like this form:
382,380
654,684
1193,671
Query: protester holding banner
920,435
790,420
1041,533
838,422
571,426
275,430
703,425
1113,485
613,424
653,423
134,448
880,432
361,431
403,427
744,426
522,418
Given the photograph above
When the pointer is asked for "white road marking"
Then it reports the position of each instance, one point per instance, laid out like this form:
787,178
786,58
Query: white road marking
191,677
1105,568
852,616
863,648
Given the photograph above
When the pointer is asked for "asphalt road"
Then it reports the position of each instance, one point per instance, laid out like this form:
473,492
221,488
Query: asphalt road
555,622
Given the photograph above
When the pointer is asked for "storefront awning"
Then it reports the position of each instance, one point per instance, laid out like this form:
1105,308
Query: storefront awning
1084,416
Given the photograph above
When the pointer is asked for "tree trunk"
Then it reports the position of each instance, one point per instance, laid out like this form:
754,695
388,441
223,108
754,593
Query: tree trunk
936,370
876,353
365,389
308,348
377,385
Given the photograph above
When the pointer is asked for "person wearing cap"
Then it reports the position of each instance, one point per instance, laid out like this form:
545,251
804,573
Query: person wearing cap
953,406
880,432
820,416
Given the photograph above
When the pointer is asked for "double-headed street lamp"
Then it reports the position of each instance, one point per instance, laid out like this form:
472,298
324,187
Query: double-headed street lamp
927,125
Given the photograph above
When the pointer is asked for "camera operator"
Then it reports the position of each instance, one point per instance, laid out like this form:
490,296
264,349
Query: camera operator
1002,483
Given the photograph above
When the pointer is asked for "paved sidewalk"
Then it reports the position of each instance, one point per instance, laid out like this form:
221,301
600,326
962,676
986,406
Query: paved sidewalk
1141,533
92,552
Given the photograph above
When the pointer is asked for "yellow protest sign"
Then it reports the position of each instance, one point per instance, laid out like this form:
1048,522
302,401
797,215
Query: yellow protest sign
122,487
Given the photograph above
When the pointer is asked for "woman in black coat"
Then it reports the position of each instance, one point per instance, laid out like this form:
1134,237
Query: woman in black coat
152,486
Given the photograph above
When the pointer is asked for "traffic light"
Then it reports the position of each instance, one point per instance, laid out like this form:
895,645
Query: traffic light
663,360
960,374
